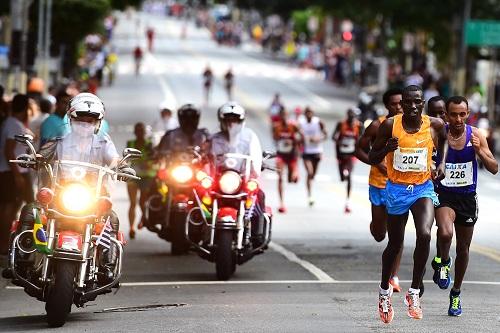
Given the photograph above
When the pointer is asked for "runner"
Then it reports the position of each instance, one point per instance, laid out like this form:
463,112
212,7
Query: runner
228,83
275,108
346,135
208,77
287,137
378,176
144,169
436,107
138,59
457,195
408,141
314,133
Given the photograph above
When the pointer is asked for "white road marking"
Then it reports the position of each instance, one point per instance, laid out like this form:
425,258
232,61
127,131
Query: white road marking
250,282
292,257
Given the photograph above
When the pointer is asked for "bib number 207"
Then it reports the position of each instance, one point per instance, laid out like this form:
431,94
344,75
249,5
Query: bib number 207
410,159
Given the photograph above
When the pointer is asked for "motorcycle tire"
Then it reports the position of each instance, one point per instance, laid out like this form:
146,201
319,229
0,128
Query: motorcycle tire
225,261
60,296
180,245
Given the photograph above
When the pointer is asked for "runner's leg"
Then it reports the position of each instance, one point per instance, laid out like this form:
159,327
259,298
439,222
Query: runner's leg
396,233
423,215
378,225
308,165
444,219
132,189
464,238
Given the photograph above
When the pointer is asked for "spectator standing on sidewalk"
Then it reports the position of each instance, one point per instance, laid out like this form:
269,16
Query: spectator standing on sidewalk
35,124
12,177
57,124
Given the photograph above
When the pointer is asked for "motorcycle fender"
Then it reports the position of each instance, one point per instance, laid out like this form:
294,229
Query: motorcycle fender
227,218
69,241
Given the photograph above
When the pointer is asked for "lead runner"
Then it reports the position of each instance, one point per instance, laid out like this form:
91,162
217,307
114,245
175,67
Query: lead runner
408,141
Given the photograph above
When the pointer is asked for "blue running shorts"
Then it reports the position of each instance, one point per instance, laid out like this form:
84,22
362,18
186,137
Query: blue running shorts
377,195
400,198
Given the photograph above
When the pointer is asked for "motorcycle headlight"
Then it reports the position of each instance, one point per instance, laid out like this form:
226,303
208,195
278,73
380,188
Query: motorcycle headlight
77,198
182,173
230,182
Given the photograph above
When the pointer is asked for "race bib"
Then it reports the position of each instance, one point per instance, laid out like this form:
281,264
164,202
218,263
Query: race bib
410,160
285,146
347,145
458,174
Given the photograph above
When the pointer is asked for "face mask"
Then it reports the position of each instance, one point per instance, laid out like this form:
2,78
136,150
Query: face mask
82,129
234,129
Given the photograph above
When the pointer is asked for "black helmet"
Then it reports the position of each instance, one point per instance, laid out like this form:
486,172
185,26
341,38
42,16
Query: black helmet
189,118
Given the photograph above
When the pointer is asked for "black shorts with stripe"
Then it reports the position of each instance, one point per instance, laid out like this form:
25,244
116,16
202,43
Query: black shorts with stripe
464,204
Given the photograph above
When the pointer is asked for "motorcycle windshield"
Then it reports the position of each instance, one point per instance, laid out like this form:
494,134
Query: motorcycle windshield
240,163
91,176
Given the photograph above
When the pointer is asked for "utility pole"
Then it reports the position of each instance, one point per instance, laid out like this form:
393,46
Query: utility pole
40,38
44,36
19,42
462,53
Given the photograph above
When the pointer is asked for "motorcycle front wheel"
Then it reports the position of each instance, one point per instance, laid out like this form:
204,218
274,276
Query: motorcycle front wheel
60,297
225,260
179,243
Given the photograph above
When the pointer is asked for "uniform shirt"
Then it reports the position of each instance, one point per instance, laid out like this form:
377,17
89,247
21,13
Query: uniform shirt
377,178
461,168
10,128
311,130
247,143
410,164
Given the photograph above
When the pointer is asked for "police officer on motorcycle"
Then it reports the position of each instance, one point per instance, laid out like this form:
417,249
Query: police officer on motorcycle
234,137
187,134
86,112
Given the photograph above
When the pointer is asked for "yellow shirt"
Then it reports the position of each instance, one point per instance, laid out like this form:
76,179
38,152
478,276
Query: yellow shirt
410,164
377,178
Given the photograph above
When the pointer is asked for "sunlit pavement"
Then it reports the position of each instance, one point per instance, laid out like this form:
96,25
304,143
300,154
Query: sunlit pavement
321,274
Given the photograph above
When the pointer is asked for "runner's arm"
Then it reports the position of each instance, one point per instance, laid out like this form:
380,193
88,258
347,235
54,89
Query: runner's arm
439,129
483,151
363,144
336,133
323,130
383,144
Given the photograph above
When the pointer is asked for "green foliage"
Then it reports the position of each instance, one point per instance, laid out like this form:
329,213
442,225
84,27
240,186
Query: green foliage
122,4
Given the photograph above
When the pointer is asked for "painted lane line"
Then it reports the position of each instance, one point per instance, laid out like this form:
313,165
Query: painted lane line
292,257
250,282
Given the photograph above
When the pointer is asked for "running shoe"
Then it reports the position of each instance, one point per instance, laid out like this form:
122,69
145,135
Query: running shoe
311,201
436,266
282,209
394,282
412,301
131,234
347,209
455,308
444,275
385,309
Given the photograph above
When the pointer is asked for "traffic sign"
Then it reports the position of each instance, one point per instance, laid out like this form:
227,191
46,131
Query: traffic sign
482,33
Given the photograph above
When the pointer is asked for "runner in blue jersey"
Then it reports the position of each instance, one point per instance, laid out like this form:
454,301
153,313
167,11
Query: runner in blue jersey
457,196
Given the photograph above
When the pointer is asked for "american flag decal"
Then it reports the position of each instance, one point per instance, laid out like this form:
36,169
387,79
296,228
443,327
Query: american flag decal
104,238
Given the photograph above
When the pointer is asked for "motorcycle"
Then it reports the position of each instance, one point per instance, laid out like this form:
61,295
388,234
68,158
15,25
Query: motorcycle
224,206
169,206
57,260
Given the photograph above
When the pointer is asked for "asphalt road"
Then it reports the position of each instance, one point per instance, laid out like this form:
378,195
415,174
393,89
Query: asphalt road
322,271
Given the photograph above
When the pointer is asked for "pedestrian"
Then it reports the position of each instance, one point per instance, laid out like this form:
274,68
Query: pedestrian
314,132
46,109
57,124
15,180
407,142
345,136
208,77
378,176
144,170
167,122
228,83
458,205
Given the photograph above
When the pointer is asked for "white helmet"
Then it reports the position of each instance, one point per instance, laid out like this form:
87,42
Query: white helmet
231,108
86,104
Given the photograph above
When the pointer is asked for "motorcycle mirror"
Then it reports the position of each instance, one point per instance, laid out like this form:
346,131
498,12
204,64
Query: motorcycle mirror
267,154
22,138
132,153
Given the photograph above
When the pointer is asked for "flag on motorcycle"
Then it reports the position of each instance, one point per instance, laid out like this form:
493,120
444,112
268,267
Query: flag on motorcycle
205,211
39,234
104,238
